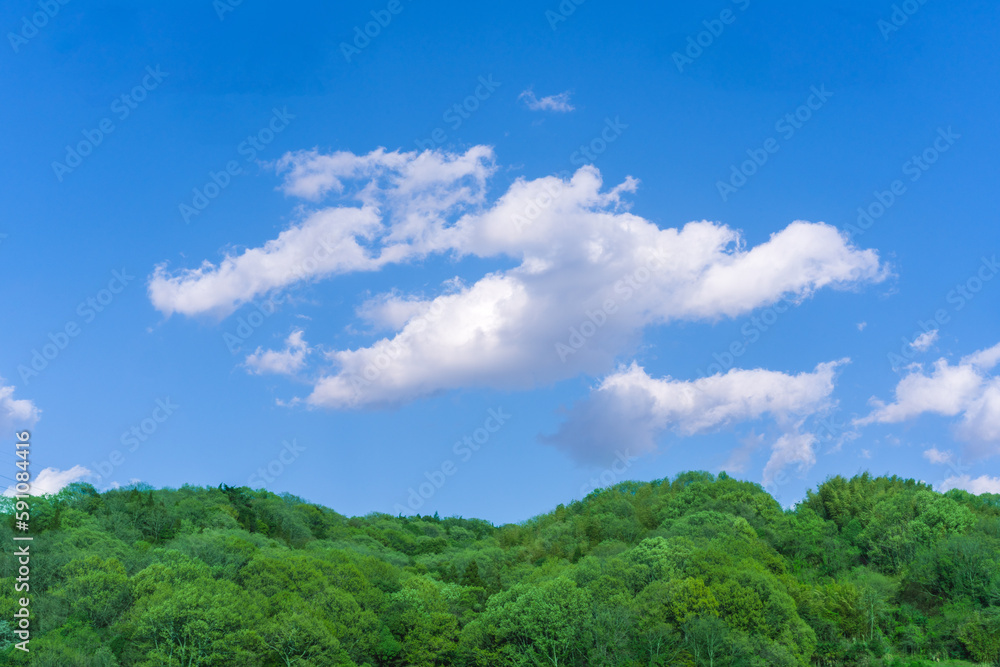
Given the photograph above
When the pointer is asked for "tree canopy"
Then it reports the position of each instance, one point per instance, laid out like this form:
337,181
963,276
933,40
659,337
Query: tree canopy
695,570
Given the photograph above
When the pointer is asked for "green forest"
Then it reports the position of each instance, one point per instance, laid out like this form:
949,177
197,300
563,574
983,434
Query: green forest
695,570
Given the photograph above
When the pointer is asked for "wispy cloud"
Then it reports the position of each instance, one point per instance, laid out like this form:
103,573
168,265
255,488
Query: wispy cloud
558,103
282,362
923,342
403,197
52,480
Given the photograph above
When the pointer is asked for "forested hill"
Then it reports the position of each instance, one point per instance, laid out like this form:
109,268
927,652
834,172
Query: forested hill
698,570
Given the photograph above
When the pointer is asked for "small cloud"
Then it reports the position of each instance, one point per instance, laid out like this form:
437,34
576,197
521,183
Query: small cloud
935,455
861,326
866,454
559,103
283,362
922,342
16,413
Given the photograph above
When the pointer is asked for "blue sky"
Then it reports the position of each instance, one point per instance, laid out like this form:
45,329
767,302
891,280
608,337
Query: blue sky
473,187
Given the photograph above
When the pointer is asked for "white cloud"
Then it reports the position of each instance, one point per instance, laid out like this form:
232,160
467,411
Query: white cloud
984,359
284,362
861,326
325,243
559,103
923,342
966,389
15,413
52,480
790,449
977,486
581,260
632,409
403,199
934,455
578,255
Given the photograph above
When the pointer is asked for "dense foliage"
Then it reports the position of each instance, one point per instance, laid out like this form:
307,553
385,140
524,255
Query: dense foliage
698,570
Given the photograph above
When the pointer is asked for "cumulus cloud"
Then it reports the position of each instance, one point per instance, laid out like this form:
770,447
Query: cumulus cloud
588,276
975,486
15,413
584,263
559,103
631,409
923,342
283,362
52,480
966,390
